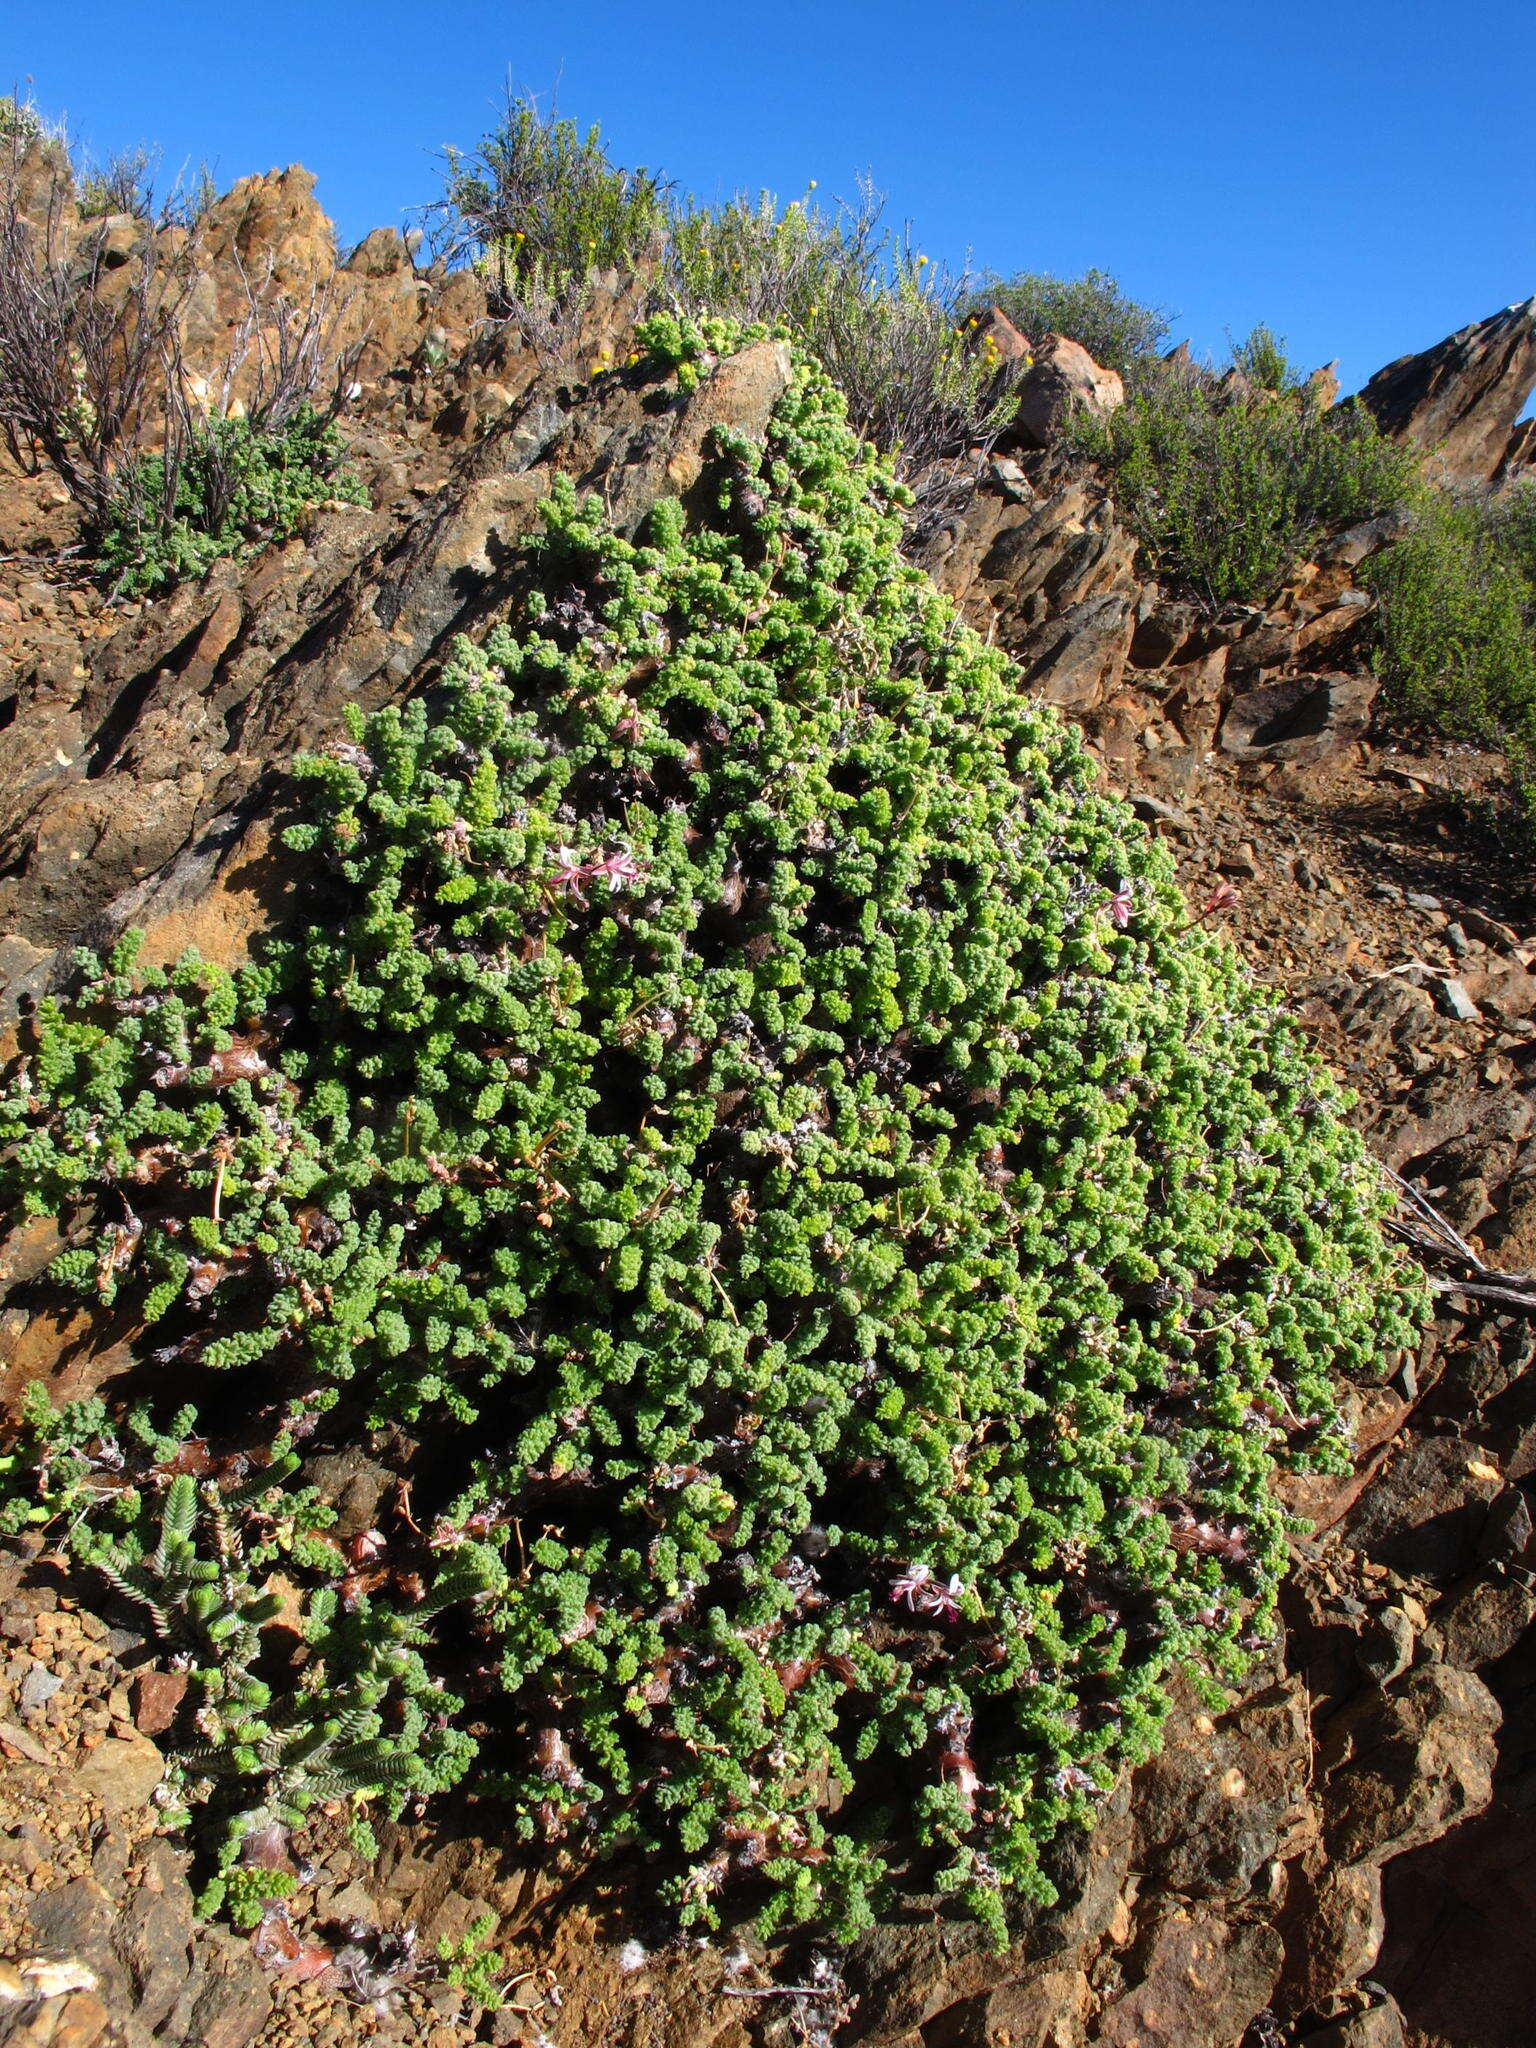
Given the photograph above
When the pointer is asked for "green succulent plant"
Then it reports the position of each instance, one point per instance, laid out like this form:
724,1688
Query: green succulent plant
233,485
184,1534
767,1135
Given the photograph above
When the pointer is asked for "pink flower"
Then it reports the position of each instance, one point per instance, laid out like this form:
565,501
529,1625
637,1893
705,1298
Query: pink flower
944,1600
1222,897
618,868
1120,905
912,1584
628,727
573,872
614,868
925,1595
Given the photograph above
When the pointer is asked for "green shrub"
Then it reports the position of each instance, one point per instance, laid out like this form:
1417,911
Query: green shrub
124,184
20,122
1458,623
1261,358
541,205
838,1230
542,208
473,1964
187,1536
878,315
233,485
1227,485
1116,330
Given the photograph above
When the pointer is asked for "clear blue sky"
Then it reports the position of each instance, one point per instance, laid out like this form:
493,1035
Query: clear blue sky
1359,175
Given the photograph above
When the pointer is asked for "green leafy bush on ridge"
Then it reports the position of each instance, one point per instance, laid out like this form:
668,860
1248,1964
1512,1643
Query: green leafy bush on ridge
883,320
1092,310
541,203
1458,623
849,1248
1228,482
541,207
20,122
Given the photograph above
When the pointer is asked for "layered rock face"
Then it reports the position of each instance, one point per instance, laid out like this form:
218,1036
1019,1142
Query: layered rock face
1459,400
1340,1827
132,783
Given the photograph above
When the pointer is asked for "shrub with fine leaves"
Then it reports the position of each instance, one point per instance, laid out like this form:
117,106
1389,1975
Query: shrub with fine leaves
1458,623
1115,329
1226,482
542,208
227,486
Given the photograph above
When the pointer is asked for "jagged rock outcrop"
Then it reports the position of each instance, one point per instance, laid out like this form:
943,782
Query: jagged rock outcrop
995,335
1046,567
1459,400
265,240
1519,455
1061,378
131,787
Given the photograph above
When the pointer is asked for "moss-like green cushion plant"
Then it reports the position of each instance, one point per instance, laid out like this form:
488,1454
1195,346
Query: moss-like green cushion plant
817,1202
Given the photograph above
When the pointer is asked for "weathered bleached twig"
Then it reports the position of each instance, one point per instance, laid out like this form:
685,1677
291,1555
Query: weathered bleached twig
1514,1290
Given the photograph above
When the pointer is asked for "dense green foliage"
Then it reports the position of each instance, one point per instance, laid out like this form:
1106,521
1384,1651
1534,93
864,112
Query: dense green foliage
1458,623
20,122
124,184
1228,481
473,1963
828,1234
1115,329
231,485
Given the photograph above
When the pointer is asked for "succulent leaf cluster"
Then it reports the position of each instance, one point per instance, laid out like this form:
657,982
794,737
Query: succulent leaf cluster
205,1545
234,485
762,1136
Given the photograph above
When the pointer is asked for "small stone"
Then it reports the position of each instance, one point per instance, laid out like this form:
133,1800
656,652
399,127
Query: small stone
351,1902
46,1979
1403,1766
38,1687
24,1744
109,1865
156,1697
1455,1001
1155,811
1386,1645
82,2023
1480,926
1380,2027
121,1774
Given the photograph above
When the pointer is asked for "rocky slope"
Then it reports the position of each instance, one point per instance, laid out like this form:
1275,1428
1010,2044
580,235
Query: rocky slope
1341,1857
